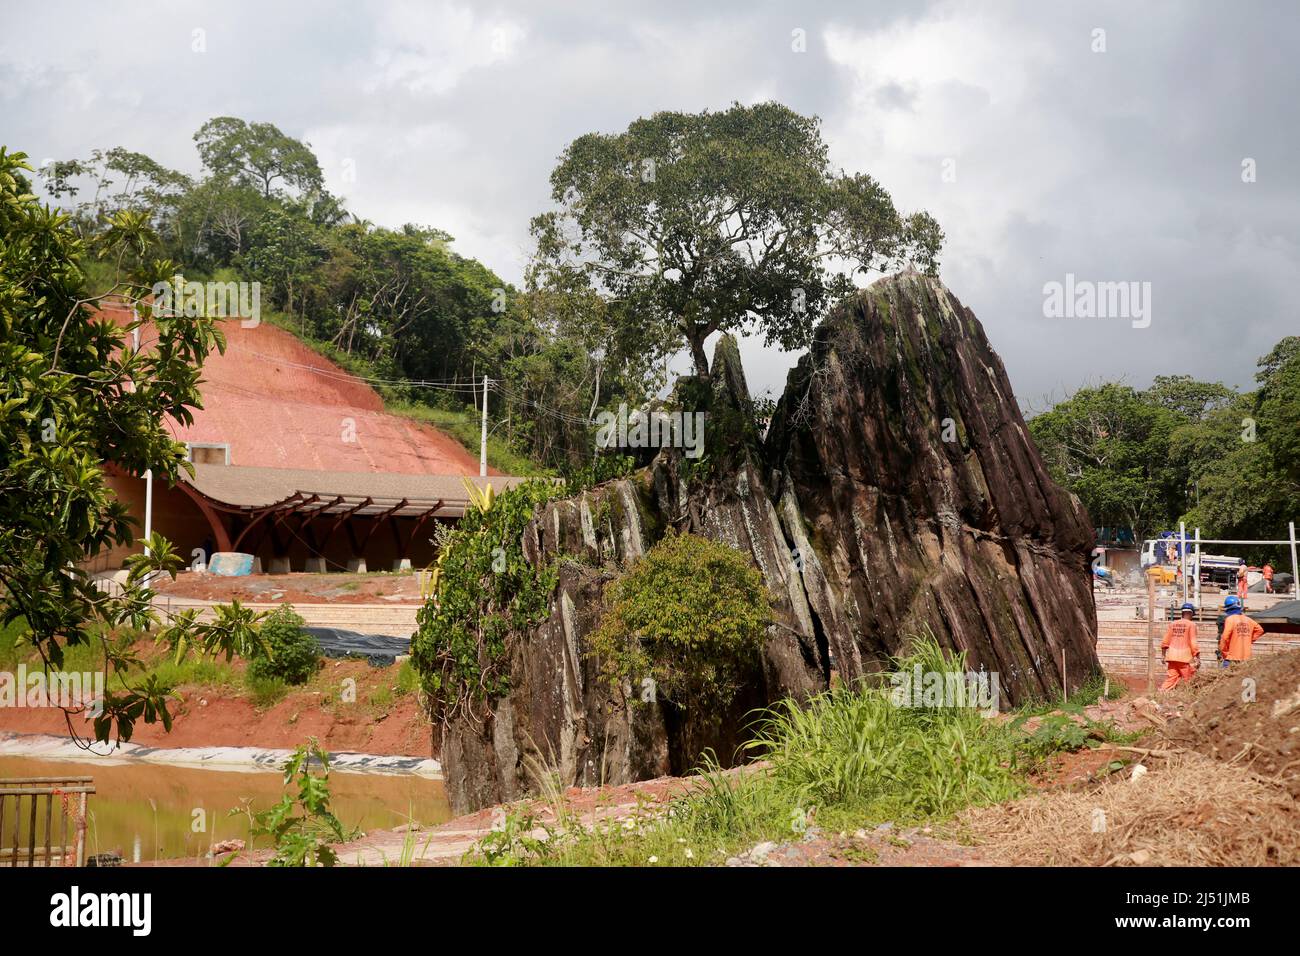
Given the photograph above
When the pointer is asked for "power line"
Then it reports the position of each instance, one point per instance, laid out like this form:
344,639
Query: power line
545,409
443,385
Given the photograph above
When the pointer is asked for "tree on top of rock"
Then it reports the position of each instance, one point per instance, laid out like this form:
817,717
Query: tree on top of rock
727,221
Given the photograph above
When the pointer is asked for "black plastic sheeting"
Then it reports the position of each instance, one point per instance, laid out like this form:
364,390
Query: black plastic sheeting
1287,612
1281,583
379,649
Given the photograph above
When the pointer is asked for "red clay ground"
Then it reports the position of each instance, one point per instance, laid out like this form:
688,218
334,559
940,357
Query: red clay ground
405,731
882,845
1186,716
381,721
1065,777
281,405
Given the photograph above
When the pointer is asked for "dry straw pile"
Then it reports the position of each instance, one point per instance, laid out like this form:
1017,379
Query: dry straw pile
1188,810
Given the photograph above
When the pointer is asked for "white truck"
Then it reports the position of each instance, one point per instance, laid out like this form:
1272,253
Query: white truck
1214,568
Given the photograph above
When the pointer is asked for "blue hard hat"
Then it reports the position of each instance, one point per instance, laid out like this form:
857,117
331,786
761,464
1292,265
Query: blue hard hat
1189,606
1232,601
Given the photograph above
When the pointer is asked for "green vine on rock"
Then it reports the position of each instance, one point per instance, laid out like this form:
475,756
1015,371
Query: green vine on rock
485,596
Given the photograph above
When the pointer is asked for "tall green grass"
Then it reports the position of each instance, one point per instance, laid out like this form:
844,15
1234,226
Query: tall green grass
15,649
842,760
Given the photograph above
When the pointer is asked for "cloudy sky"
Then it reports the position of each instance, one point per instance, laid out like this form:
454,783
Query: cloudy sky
1110,141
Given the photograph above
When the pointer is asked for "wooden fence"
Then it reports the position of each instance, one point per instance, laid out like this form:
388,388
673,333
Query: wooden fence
43,820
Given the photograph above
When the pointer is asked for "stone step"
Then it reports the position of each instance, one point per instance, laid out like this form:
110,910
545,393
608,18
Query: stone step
1139,628
386,619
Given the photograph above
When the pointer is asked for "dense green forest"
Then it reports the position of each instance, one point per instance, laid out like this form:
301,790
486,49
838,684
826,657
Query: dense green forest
681,226
1221,460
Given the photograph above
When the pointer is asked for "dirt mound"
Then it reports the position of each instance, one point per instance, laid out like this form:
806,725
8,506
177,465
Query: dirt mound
1249,716
1188,811
1217,785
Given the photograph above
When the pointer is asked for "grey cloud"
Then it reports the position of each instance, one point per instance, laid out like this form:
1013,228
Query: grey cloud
1122,165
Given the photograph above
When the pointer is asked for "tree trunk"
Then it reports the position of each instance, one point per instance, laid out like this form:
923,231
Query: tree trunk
699,357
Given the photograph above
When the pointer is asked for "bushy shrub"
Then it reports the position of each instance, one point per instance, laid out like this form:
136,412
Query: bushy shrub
690,617
294,654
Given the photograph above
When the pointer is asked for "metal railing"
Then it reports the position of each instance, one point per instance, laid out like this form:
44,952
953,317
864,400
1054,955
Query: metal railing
55,837
1292,541
108,586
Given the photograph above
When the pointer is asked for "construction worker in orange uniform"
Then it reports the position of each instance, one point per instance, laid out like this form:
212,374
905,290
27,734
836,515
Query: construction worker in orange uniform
1182,656
1239,633
1241,583
1268,577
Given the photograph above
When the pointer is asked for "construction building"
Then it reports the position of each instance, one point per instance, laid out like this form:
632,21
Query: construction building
297,463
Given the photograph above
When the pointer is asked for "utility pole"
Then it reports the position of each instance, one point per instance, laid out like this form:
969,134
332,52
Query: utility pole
482,448
148,472
148,505
1197,571
1182,553
1151,633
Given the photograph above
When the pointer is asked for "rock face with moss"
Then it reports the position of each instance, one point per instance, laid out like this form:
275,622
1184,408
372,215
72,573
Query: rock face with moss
897,490
899,452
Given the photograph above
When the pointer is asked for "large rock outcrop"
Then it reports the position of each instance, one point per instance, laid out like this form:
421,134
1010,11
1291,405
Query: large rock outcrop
897,492
898,449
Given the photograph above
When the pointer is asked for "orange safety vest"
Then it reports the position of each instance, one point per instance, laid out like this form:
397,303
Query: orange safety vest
1239,633
1180,642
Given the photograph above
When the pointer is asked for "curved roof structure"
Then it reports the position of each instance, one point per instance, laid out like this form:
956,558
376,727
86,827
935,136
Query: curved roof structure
366,494
241,503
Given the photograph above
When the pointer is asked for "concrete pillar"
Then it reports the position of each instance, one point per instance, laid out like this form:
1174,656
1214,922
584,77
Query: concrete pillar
357,565
402,564
280,566
315,565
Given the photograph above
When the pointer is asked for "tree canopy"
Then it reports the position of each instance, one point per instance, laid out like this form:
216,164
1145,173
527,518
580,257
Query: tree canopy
399,305
1186,450
721,221
257,155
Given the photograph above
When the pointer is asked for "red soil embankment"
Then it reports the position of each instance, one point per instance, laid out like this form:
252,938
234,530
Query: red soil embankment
279,404
226,717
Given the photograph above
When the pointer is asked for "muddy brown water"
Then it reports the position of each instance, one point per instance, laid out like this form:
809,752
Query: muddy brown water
149,811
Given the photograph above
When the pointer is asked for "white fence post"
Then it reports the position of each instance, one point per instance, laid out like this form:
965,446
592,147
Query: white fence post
1197,570
1182,551
1295,577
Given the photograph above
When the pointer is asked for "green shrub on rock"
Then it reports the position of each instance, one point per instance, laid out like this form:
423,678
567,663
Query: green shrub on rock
687,620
